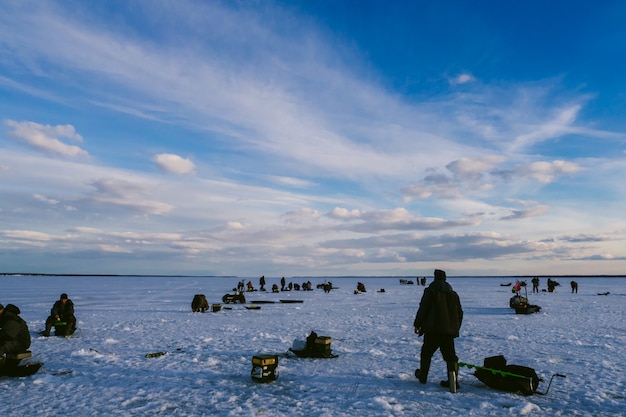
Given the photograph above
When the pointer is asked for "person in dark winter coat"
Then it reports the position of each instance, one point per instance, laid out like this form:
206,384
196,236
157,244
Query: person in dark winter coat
439,319
14,334
535,282
61,311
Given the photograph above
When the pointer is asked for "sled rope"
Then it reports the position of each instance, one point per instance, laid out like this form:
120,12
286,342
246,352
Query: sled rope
493,371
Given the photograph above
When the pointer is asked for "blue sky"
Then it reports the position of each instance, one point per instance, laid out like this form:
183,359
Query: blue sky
312,138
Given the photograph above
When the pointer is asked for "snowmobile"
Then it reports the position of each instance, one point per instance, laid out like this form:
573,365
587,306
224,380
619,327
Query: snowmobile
238,297
520,304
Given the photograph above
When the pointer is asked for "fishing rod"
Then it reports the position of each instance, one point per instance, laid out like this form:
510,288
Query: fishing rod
493,371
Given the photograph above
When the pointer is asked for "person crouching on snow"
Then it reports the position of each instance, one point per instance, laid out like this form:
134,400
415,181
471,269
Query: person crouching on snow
61,311
439,319
14,334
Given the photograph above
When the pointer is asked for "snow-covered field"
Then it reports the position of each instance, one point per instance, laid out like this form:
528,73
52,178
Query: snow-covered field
206,368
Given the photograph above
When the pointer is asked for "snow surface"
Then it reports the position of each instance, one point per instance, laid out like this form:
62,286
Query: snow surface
207,365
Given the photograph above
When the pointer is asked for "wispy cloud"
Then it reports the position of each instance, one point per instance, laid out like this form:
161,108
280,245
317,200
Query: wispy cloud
126,194
47,138
461,79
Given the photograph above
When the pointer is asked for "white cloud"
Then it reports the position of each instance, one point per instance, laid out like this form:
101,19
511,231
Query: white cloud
114,249
127,194
50,201
174,164
344,214
291,181
546,172
27,235
302,215
235,226
47,138
474,169
462,79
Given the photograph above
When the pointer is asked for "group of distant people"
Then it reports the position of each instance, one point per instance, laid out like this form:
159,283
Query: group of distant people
14,333
284,286
552,284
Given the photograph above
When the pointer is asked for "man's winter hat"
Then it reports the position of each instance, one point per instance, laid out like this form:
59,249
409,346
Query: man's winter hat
440,275
63,296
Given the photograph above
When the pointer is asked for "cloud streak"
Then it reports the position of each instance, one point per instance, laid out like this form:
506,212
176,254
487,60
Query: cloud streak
47,138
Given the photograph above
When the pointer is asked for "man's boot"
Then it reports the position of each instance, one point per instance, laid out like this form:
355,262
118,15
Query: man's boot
453,372
422,372
46,332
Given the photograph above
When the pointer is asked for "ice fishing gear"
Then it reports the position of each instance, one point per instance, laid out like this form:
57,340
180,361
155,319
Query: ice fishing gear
264,368
498,375
19,364
520,304
314,347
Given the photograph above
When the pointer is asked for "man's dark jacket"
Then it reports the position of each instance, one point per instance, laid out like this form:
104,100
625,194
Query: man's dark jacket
440,310
64,310
14,334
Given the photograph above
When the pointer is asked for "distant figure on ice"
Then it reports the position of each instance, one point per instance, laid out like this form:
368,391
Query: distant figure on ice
360,287
275,288
517,287
262,282
199,303
574,285
14,334
250,286
552,285
423,281
439,319
61,312
535,282
282,284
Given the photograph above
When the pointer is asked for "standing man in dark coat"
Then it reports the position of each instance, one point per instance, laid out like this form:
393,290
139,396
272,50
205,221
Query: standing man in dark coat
61,311
14,334
535,282
439,319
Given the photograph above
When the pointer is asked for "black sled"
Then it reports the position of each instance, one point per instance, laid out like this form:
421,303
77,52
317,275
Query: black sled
315,347
18,365
498,375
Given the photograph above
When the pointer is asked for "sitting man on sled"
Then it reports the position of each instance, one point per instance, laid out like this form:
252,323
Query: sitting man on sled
14,334
61,317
